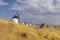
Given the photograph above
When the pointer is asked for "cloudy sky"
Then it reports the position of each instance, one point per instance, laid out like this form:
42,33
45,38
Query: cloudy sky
32,11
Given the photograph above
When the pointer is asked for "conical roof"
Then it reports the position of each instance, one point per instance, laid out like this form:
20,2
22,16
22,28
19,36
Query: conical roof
15,16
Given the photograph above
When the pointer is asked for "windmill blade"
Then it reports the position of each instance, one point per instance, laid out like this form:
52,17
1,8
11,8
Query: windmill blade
24,21
17,14
19,20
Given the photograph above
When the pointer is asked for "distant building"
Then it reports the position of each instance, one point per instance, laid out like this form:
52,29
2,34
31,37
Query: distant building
44,25
15,19
28,24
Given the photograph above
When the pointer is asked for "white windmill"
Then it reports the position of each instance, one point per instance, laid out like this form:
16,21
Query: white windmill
15,18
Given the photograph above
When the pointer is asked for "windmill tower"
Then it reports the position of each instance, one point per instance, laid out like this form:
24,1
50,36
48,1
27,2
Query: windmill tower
15,18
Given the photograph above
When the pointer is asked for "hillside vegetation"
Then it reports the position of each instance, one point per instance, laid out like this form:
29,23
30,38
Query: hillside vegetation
12,31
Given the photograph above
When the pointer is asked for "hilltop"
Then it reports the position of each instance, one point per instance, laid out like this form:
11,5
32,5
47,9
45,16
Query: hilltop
11,31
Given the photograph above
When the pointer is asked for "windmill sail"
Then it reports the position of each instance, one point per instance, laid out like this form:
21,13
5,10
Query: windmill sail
18,16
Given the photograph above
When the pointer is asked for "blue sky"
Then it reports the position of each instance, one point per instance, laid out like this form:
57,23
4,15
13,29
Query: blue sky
32,11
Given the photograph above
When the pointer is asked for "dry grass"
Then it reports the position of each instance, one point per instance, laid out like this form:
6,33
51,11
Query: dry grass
12,31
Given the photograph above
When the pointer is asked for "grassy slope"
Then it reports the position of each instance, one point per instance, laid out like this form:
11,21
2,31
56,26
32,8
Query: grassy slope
12,31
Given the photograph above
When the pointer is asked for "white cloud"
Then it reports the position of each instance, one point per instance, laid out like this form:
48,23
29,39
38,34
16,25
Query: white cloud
57,7
16,7
3,3
42,5
39,10
50,19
